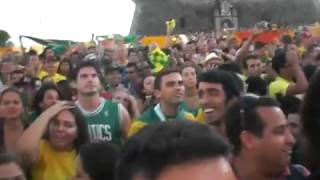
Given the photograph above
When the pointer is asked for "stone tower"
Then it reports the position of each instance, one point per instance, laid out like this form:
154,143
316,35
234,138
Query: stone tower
208,15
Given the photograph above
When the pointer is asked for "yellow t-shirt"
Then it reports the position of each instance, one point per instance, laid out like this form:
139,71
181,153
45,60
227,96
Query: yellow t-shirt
280,85
53,165
55,78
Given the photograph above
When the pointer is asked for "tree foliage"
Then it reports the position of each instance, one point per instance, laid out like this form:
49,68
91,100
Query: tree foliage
4,37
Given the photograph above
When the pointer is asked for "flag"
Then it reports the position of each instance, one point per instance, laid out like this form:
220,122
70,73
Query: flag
58,46
266,37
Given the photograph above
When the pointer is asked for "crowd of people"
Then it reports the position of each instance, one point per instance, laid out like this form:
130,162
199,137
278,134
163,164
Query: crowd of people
204,106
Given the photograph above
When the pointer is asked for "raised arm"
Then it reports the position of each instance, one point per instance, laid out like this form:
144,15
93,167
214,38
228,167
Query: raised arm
28,143
301,84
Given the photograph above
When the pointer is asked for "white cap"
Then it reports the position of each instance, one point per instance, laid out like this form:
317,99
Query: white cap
212,55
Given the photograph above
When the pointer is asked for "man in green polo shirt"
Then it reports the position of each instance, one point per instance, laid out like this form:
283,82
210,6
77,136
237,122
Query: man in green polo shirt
169,89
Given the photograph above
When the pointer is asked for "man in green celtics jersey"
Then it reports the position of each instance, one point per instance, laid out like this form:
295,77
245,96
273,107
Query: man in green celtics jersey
107,121
169,89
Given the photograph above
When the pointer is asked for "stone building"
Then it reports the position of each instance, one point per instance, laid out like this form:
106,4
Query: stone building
209,15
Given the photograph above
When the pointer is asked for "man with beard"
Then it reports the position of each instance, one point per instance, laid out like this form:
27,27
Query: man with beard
262,143
170,91
216,89
107,121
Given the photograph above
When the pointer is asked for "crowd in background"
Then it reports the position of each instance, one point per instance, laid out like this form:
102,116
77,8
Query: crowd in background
203,106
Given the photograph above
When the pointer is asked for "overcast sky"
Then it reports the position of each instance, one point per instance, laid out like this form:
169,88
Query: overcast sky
66,19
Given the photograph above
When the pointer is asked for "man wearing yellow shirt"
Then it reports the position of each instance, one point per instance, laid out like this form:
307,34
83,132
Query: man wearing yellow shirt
50,70
286,64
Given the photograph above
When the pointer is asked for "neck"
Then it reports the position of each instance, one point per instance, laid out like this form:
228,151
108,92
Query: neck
246,167
191,92
14,124
168,109
89,103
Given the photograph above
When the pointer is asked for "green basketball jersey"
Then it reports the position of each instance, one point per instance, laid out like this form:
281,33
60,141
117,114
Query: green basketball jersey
104,122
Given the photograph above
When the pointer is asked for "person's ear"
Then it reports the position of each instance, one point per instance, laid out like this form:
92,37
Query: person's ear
248,140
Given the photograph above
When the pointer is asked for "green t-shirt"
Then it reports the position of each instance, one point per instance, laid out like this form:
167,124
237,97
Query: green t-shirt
104,123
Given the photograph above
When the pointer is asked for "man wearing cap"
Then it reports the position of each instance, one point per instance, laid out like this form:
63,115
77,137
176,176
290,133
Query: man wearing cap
113,76
212,61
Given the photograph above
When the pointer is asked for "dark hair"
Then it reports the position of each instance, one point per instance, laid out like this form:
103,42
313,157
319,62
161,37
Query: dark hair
42,57
256,85
309,70
70,66
259,45
82,129
84,64
158,146
192,65
164,72
286,39
140,92
241,115
231,67
290,104
66,90
279,60
99,160
132,64
32,53
46,49
14,90
246,59
228,81
39,95
310,113
8,157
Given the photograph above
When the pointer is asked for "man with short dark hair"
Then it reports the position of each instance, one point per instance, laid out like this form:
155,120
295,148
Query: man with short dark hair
175,151
262,142
132,80
252,66
170,91
216,88
107,121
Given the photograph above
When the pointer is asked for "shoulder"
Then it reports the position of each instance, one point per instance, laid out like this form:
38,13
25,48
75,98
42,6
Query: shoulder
297,170
148,116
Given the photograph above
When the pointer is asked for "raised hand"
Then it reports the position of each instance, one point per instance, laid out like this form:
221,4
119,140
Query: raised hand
56,108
